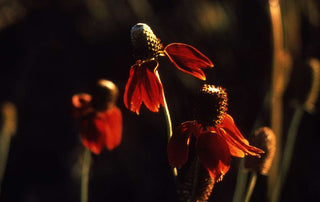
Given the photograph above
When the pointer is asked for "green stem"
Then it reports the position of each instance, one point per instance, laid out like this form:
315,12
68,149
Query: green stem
252,184
168,122
288,152
241,183
85,175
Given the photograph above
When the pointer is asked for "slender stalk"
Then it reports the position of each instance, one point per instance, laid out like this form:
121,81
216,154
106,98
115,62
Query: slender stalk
85,175
308,106
241,183
252,184
8,130
168,122
288,152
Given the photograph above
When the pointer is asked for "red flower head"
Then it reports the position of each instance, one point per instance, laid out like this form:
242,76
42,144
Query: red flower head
143,84
100,119
214,134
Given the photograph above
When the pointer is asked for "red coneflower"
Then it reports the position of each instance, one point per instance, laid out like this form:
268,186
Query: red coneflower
100,119
144,84
213,136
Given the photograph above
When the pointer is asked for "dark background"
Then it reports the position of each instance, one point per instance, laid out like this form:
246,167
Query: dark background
50,50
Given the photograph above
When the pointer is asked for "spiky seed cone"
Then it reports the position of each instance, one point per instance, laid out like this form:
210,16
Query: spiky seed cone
265,139
145,43
211,104
104,95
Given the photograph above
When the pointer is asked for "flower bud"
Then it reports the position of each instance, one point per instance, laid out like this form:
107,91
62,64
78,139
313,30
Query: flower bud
265,139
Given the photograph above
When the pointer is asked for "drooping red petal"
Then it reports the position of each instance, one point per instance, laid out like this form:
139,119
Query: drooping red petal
143,86
178,146
151,87
112,127
235,139
132,95
81,104
91,136
214,154
188,59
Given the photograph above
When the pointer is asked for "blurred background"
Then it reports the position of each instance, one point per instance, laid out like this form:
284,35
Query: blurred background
52,49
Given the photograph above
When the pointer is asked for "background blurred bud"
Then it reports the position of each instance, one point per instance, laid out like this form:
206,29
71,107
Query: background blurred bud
104,95
265,139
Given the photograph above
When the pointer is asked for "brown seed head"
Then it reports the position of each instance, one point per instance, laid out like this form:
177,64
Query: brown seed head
145,43
265,139
211,105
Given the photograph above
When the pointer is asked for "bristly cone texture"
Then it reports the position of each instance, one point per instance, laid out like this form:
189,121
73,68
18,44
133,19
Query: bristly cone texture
145,43
195,181
265,139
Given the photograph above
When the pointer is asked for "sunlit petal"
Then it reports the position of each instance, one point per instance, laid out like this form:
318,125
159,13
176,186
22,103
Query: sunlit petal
235,138
178,146
132,95
188,59
111,127
91,135
214,154
151,87
81,104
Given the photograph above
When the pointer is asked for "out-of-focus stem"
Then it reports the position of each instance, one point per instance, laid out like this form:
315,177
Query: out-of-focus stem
287,153
7,131
252,184
280,76
294,127
241,183
85,175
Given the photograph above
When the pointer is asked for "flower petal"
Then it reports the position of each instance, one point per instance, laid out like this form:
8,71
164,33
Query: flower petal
109,124
91,136
143,86
188,59
214,154
132,95
151,87
81,104
178,146
234,138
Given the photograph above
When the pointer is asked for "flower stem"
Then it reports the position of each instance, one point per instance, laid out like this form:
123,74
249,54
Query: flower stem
85,175
169,123
241,183
8,130
252,184
288,151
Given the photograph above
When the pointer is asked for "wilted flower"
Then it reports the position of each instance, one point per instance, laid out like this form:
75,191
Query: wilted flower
100,119
144,84
214,134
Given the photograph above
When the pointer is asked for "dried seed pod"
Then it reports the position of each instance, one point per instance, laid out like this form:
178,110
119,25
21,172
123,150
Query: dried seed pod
104,95
145,43
265,139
